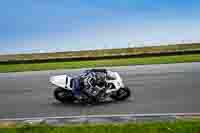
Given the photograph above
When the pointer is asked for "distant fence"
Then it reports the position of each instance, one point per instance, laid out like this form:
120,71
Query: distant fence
114,56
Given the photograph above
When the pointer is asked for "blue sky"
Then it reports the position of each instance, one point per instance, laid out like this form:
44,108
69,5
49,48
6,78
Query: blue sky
63,25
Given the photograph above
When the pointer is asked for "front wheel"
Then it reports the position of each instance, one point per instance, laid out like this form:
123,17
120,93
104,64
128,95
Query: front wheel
122,94
63,95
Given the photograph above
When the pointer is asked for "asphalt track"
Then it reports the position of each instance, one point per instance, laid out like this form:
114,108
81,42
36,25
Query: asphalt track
167,88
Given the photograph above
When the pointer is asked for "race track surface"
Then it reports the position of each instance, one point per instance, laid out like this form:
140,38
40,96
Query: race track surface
169,88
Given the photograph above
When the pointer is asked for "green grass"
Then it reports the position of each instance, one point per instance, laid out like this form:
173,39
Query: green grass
99,63
153,127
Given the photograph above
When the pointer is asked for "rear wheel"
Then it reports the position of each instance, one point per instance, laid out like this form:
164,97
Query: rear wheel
122,94
63,95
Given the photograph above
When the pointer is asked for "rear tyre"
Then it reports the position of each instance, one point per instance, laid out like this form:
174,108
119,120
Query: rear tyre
63,95
122,94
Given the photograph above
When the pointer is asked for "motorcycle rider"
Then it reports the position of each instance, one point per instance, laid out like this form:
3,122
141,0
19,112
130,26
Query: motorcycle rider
90,79
86,80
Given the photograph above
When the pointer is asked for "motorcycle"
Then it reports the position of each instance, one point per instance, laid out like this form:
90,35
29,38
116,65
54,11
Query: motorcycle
113,88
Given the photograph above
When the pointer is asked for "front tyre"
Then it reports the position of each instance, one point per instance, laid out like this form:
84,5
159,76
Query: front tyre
122,94
63,95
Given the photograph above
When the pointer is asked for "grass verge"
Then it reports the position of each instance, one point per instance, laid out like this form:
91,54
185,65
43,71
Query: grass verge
153,127
99,63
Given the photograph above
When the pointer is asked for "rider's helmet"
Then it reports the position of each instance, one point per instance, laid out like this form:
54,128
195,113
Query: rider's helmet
111,75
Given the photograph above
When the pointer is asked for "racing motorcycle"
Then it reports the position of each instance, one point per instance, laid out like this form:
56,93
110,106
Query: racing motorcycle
111,86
